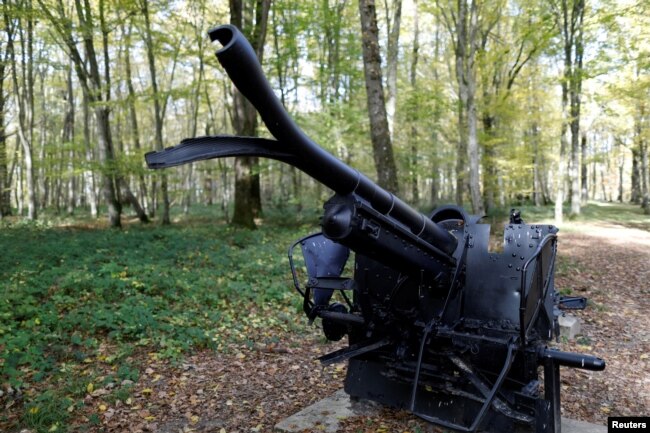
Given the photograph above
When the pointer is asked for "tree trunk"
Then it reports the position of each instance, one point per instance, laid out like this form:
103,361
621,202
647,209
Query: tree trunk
645,194
490,175
569,17
560,181
545,185
379,133
248,203
571,20
107,161
110,186
19,191
461,153
473,151
5,186
537,183
67,138
636,175
24,96
415,193
93,86
89,178
621,170
497,78
464,25
243,214
602,182
158,116
133,117
574,166
584,172
560,191
129,197
392,54
466,45
194,120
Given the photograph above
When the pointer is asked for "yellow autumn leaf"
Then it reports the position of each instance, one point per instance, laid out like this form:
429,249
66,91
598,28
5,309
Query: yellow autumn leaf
150,418
147,391
102,407
194,419
33,410
645,356
90,387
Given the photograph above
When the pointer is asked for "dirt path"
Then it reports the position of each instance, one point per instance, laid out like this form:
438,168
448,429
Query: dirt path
252,388
610,265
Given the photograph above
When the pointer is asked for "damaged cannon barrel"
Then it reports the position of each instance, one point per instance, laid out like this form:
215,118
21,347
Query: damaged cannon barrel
239,60
436,323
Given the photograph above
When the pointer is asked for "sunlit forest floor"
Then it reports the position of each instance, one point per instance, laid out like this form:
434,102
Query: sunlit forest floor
195,327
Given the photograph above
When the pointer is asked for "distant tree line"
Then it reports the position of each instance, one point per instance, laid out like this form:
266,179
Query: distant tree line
481,103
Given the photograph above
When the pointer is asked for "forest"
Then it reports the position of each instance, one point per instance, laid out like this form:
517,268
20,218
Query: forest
160,300
483,104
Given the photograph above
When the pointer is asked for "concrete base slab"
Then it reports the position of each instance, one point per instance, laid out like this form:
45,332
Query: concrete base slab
575,426
325,416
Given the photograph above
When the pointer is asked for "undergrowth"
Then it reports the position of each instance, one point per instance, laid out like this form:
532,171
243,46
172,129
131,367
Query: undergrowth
77,303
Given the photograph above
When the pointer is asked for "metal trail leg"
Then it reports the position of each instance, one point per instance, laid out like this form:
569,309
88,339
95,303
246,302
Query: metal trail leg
552,396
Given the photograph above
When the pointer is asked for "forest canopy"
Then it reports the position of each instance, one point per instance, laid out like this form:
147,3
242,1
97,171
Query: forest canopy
481,103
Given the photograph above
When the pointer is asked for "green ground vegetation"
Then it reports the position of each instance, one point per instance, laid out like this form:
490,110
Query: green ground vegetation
77,299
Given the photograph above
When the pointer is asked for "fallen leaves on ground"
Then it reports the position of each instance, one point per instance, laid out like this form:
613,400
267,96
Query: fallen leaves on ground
610,265
249,388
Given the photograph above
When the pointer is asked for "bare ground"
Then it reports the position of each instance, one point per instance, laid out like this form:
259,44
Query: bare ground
250,389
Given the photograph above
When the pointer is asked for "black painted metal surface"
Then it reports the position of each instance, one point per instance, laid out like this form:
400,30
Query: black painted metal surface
437,324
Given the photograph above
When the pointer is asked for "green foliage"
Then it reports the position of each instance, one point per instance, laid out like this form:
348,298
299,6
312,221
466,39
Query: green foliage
69,293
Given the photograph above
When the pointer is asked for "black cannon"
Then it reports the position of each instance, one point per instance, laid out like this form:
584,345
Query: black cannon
436,323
